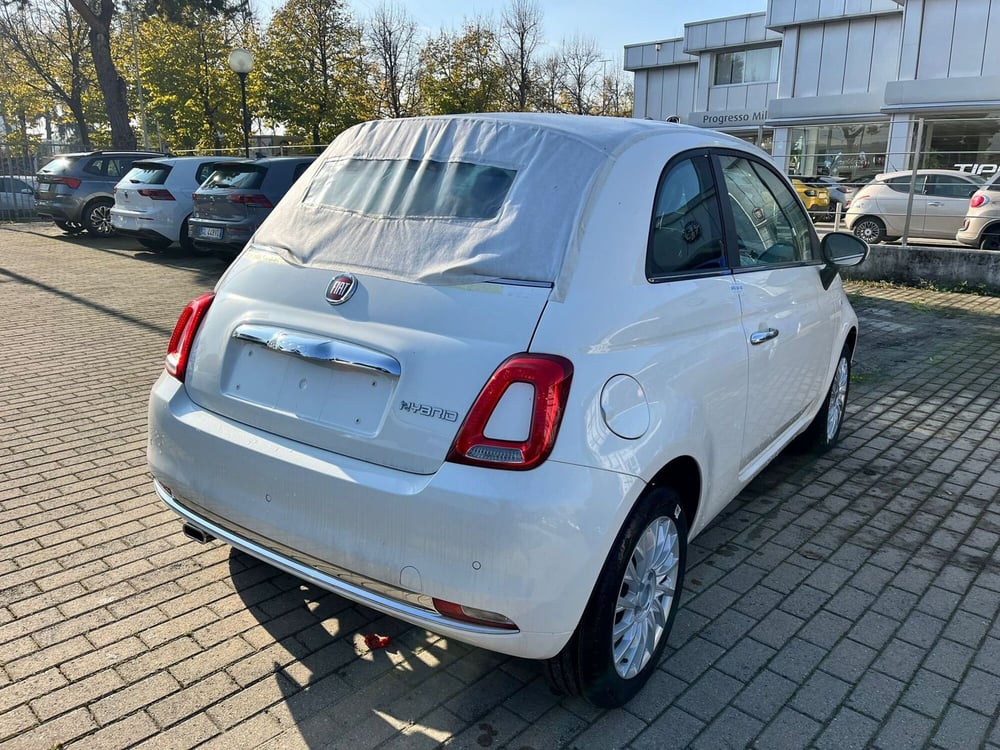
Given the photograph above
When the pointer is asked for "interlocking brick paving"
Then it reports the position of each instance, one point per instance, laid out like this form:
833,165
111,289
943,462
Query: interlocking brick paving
846,601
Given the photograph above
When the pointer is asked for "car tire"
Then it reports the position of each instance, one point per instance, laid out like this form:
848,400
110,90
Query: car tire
617,645
155,244
70,227
869,229
97,218
990,241
186,241
823,432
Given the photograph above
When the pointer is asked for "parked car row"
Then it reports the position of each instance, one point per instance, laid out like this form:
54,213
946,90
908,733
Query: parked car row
944,205
208,202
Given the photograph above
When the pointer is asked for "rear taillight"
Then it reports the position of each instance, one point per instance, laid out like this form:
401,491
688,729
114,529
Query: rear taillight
978,200
70,182
514,421
156,194
183,336
255,199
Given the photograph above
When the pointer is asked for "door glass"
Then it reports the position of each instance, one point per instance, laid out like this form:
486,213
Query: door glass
686,235
945,186
771,226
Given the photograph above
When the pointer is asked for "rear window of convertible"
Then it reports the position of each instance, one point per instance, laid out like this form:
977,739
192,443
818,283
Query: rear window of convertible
411,188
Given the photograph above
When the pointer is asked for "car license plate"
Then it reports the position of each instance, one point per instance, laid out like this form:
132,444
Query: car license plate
211,233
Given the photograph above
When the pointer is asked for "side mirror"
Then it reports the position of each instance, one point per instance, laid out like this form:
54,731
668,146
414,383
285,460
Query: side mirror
841,249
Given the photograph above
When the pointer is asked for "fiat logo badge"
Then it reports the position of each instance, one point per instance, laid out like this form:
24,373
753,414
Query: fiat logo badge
341,288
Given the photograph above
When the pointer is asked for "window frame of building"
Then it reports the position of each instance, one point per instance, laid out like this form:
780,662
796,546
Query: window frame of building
731,60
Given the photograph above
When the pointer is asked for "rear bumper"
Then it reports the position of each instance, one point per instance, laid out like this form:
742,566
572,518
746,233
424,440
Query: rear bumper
972,233
58,210
208,234
527,545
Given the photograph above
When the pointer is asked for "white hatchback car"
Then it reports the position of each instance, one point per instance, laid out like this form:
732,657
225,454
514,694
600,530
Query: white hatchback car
153,200
877,212
490,373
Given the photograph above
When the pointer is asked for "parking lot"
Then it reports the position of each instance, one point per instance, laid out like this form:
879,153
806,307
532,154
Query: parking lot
847,601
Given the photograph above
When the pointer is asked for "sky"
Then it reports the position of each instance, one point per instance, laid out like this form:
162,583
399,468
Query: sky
612,24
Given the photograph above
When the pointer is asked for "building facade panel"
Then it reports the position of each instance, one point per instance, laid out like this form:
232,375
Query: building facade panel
968,42
842,87
781,13
859,67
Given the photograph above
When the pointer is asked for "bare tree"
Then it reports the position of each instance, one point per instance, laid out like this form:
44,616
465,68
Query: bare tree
51,41
580,58
391,34
617,92
519,36
546,94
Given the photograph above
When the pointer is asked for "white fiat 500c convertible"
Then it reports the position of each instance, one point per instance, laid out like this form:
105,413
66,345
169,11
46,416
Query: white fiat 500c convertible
489,374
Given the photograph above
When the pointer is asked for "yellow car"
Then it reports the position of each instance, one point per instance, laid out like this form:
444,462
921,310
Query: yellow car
816,199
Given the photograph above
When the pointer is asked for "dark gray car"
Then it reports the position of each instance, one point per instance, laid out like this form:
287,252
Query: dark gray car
76,190
237,197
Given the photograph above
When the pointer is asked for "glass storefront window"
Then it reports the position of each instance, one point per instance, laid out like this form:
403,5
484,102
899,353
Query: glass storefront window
967,144
747,66
762,137
848,150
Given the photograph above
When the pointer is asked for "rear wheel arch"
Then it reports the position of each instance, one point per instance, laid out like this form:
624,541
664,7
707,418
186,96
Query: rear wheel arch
683,474
851,341
989,238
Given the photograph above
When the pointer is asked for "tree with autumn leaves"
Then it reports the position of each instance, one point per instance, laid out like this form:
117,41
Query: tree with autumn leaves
318,69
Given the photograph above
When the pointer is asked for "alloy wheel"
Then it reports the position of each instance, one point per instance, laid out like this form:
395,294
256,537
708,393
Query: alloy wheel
645,597
838,399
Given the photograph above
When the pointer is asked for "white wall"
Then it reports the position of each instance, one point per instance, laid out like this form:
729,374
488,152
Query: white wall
790,12
854,56
950,39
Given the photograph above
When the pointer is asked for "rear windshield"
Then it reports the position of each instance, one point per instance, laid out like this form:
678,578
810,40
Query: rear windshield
411,188
148,174
59,165
237,177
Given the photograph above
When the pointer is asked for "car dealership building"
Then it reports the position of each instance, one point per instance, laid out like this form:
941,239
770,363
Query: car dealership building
841,87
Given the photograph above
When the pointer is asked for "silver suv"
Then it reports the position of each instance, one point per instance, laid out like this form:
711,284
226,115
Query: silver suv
76,191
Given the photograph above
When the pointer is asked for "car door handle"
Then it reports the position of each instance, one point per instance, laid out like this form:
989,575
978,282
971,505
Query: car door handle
318,349
936,204
759,337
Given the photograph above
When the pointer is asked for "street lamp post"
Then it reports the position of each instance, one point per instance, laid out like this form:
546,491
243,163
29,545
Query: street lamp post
241,63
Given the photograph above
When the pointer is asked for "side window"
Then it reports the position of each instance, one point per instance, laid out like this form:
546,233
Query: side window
686,235
771,226
902,184
299,169
117,167
945,186
95,166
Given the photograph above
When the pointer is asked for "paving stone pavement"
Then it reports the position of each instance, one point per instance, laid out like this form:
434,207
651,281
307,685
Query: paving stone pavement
845,602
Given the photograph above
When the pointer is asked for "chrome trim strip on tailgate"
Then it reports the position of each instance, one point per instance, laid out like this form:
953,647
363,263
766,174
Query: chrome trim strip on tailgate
317,348
357,589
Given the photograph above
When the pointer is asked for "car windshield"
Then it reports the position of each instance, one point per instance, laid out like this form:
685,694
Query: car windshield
410,187
239,177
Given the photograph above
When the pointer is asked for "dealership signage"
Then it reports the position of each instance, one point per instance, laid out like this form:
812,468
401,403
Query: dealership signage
728,118
977,168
